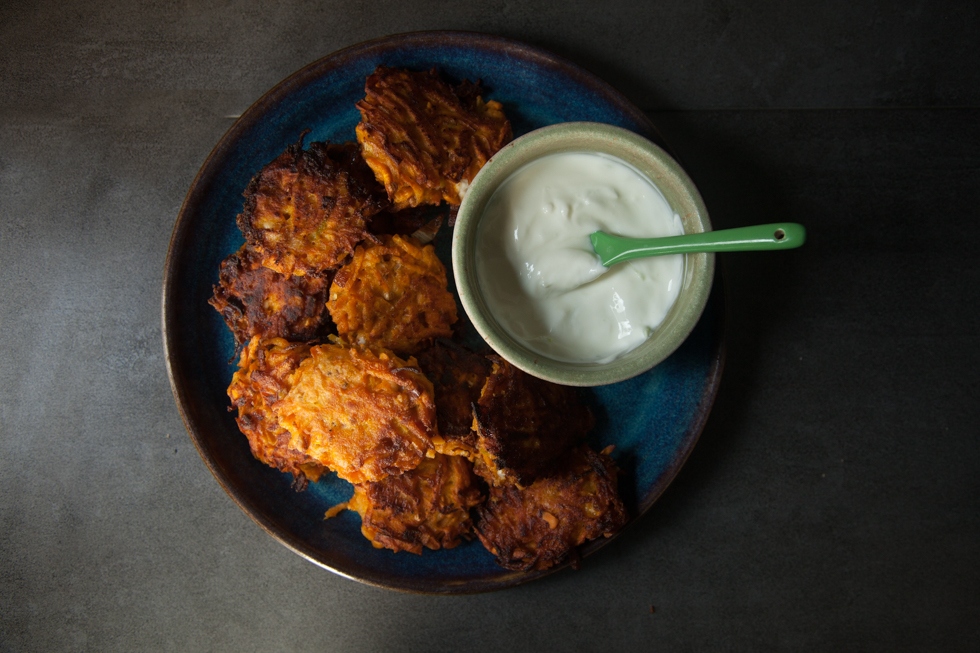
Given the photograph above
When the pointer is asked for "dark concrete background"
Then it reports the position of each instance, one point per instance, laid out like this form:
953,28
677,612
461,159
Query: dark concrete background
833,502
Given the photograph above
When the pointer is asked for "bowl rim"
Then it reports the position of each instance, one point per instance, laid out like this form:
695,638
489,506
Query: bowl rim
654,163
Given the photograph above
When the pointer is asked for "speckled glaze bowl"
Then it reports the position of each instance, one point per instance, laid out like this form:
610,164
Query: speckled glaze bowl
663,171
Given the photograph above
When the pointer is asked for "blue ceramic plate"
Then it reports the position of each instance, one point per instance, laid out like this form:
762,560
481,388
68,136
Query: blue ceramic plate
654,420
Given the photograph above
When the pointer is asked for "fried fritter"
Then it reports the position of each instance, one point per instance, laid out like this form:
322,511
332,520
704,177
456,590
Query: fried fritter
425,141
536,527
428,506
257,301
266,373
363,414
458,376
525,424
392,295
307,209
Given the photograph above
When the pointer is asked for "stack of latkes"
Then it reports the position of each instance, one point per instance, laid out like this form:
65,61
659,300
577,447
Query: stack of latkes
350,359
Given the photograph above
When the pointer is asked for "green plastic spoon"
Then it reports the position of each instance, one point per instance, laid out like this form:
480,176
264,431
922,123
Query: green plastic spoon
780,235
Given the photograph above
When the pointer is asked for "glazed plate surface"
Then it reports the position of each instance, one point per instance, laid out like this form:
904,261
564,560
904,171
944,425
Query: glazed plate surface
654,419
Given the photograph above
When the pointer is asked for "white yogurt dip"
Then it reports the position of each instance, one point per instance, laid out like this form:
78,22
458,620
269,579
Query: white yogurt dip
536,266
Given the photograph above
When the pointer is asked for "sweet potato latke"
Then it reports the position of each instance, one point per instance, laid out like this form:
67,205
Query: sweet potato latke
392,295
308,209
424,140
257,301
538,526
344,320
364,415
266,373
524,425
426,507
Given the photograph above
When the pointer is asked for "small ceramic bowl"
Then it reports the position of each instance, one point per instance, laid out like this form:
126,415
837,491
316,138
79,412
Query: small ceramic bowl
646,157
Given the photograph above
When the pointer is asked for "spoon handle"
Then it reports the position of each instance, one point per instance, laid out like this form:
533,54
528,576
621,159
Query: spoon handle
779,235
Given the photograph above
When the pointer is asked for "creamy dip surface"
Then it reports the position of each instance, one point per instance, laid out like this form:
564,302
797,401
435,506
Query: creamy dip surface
539,273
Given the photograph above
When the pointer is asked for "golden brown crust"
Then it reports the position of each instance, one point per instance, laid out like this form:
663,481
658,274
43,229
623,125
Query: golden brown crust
458,376
538,526
392,295
257,301
428,506
424,141
363,414
524,424
266,373
306,210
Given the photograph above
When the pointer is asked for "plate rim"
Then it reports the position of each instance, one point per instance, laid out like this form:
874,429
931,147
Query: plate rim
198,190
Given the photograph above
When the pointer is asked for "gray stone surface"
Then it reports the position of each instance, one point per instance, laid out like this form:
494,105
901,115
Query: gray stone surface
833,500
